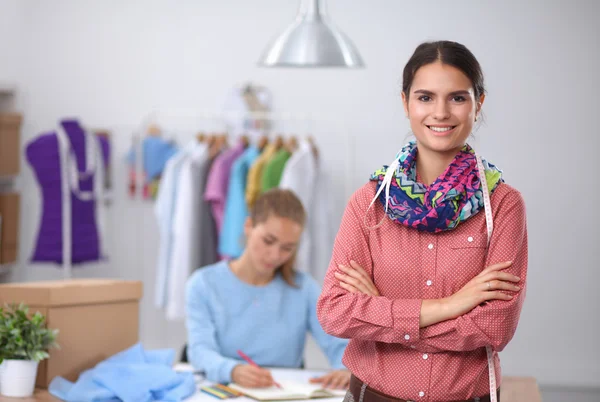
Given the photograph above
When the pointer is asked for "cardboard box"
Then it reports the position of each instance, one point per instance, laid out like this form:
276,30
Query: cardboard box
96,319
10,143
9,227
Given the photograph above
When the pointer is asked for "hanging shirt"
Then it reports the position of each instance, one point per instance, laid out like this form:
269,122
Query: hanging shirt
299,176
253,185
80,158
218,181
231,237
187,229
271,175
321,224
308,179
156,152
269,323
164,209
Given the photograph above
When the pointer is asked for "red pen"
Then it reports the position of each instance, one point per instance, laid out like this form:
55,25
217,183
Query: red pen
252,363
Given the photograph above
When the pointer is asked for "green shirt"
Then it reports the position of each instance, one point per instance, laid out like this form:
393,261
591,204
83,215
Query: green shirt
271,174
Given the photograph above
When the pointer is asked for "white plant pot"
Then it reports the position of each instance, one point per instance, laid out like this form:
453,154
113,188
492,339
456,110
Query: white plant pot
17,377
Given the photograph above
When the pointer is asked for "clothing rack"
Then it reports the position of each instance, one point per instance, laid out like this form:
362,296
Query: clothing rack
212,117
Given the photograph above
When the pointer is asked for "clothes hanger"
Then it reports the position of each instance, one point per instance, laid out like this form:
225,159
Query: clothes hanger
292,144
245,140
279,142
154,130
313,146
262,143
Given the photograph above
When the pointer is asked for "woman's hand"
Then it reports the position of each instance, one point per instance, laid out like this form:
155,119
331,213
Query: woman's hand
355,279
488,285
251,377
338,379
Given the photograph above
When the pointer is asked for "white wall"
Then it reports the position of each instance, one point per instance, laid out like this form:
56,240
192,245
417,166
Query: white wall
110,62
11,13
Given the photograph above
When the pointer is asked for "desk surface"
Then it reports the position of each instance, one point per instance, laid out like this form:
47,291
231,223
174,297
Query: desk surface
514,389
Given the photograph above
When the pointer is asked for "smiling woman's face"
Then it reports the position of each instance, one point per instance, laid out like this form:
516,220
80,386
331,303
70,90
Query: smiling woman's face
441,106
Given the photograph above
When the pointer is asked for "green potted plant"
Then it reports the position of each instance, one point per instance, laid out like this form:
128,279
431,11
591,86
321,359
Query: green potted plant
24,342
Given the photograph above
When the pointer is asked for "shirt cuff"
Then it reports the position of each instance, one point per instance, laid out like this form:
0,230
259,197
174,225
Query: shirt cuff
226,369
406,316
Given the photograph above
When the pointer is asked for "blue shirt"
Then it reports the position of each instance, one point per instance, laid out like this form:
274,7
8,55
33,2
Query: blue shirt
269,323
156,151
231,238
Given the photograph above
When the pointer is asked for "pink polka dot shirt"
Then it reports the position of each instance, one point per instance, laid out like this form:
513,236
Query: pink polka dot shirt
388,351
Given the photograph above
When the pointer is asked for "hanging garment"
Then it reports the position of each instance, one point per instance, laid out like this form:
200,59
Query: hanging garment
164,209
321,224
156,152
253,183
271,175
308,179
299,175
236,211
84,158
218,181
188,231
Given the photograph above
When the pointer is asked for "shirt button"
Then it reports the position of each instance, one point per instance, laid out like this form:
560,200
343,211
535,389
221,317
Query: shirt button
430,246
425,356
407,337
421,393
470,239
429,283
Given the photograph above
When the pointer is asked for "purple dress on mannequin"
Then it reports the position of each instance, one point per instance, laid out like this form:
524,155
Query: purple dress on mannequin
43,156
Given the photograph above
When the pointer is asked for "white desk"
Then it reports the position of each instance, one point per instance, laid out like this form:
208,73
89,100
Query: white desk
278,375
514,389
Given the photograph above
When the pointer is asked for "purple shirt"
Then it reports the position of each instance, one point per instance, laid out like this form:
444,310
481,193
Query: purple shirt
218,181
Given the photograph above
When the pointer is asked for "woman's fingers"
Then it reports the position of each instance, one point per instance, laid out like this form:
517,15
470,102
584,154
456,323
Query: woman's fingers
496,295
502,276
499,285
359,269
354,274
367,279
349,280
349,288
495,267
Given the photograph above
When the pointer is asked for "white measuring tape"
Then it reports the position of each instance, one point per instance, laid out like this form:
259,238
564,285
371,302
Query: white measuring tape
489,221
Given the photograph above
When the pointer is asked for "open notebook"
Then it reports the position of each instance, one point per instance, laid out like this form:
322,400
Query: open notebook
290,390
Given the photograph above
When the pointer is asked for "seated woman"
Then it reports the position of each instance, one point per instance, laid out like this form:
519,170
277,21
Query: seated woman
258,304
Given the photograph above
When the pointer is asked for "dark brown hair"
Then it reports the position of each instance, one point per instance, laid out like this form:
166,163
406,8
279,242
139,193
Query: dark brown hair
447,52
283,204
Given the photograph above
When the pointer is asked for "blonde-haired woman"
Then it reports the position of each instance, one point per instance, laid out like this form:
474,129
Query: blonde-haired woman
258,304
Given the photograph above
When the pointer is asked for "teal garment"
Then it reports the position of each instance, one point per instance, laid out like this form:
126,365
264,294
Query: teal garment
269,323
231,237
271,175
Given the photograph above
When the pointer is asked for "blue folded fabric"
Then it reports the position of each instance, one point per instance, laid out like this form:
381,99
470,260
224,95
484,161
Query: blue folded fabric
133,375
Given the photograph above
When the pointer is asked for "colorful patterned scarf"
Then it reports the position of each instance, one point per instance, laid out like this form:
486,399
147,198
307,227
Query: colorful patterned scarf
453,197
